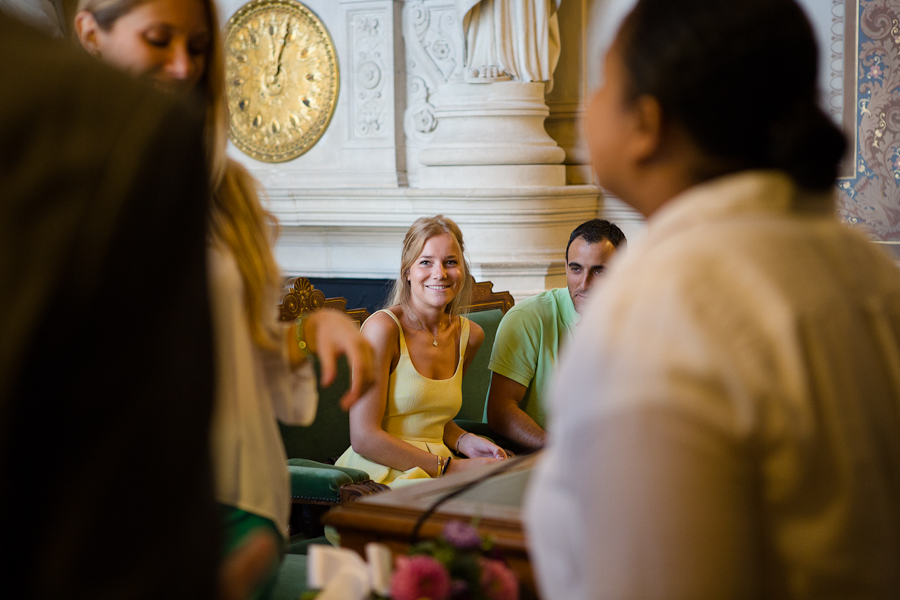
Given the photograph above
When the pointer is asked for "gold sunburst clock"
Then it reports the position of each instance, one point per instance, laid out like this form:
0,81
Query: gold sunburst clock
281,74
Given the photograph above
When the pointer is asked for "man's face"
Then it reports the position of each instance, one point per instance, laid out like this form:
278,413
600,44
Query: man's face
585,267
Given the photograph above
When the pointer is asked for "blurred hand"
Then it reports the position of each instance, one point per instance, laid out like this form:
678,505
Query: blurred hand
330,334
475,446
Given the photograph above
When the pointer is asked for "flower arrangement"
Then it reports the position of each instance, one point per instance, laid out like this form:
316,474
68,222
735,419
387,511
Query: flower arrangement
458,565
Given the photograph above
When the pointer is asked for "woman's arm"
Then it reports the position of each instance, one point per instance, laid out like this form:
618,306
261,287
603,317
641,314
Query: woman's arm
330,334
366,435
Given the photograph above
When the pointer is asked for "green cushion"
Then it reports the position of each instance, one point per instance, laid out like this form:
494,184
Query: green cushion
329,435
291,581
477,381
319,482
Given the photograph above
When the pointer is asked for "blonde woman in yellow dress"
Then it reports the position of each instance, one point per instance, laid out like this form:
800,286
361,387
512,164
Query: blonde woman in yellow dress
402,429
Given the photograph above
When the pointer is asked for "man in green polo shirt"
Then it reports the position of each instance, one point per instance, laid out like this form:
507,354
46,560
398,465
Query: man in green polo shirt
526,349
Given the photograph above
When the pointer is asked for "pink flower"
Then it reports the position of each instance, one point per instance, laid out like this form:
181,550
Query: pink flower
874,71
418,578
497,581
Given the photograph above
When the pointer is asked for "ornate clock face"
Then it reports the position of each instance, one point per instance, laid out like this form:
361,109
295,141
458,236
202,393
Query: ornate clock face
281,76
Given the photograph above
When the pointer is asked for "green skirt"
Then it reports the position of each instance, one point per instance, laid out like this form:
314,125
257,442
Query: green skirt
237,524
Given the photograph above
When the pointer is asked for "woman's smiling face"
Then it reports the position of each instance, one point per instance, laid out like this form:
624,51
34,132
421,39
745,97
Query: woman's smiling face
436,275
167,41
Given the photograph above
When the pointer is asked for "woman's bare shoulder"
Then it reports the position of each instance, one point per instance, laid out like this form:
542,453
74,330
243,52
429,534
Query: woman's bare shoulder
476,333
394,309
380,327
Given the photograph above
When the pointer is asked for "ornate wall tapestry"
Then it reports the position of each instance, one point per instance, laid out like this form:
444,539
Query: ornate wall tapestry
869,196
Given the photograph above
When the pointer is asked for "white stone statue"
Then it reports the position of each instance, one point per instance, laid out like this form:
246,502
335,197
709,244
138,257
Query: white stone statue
510,39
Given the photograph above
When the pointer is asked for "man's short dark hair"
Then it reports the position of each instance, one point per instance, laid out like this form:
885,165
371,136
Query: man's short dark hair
597,230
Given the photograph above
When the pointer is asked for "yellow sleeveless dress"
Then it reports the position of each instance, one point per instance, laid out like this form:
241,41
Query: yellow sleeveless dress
417,410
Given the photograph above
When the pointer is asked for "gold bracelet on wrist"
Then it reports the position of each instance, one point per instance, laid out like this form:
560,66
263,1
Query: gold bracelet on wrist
443,465
300,336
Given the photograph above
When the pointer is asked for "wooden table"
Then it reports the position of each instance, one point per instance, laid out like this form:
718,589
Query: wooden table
390,518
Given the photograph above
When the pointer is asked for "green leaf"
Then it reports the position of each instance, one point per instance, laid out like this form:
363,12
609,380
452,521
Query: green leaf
445,555
468,568
426,547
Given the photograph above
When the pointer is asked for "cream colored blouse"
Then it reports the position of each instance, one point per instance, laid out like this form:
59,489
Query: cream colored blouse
255,389
726,420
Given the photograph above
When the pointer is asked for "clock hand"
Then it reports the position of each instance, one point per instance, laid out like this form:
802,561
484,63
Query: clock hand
273,45
287,32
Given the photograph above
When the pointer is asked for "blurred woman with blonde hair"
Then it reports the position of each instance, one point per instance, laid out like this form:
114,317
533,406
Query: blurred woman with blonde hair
262,372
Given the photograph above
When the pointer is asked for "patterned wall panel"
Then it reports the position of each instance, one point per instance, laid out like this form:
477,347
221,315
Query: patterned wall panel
870,194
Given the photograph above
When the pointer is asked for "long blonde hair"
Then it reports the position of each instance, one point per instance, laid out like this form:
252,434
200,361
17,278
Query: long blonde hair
422,230
238,218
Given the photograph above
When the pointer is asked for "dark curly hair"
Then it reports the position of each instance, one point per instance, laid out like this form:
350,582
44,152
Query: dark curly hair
596,230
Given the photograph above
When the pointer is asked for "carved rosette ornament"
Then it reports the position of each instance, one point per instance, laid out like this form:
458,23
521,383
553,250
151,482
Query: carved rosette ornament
281,77
301,298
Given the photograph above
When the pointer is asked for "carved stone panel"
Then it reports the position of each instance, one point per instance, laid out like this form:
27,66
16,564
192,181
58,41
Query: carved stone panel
432,36
370,72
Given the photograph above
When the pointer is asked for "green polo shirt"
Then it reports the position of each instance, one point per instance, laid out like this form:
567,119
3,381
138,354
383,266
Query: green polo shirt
527,345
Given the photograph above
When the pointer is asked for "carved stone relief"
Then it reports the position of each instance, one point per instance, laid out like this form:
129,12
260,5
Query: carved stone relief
369,72
433,39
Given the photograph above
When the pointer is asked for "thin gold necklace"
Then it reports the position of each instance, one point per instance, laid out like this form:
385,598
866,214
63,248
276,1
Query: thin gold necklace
422,328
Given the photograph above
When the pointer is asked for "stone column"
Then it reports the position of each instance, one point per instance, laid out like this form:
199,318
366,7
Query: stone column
491,135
